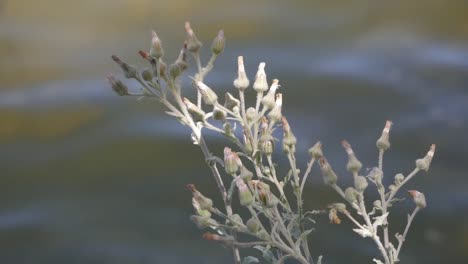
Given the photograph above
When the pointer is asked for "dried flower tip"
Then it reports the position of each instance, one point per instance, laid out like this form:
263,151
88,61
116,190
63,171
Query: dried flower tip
208,95
425,163
118,86
193,44
353,165
245,196
230,162
261,84
197,114
316,151
383,143
156,49
275,114
333,216
329,176
360,183
130,71
269,100
145,55
419,198
218,43
242,82
230,101
213,237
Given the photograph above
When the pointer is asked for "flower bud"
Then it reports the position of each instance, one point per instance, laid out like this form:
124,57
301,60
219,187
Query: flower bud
383,143
360,183
253,225
182,58
353,165
419,198
118,86
245,174
204,202
208,95
275,114
130,71
197,114
351,195
316,151
245,196
425,163
340,207
264,194
251,113
235,220
376,175
193,44
242,82
227,129
329,176
174,70
377,204
218,43
203,222
261,84
156,49
219,114
266,145
269,100
288,137
262,234
230,163
230,101
399,178
147,75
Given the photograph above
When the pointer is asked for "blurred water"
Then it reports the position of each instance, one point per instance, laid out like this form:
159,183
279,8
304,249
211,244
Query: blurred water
89,177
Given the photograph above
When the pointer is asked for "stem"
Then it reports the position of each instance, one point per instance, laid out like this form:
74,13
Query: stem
402,239
307,172
196,56
407,178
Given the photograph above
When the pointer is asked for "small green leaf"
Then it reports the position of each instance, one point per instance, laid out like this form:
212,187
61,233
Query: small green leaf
249,260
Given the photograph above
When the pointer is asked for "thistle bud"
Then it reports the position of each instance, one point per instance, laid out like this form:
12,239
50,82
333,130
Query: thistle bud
250,114
218,43
227,129
269,100
197,114
288,137
275,114
376,175
264,194
208,95
193,44
230,101
266,145
377,204
118,86
182,58
156,49
203,222
204,202
219,114
147,75
245,196
399,178
130,71
235,220
353,165
316,151
383,143
242,82
262,234
360,183
261,84
351,195
174,70
230,163
425,163
253,225
419,198
329,176
245,174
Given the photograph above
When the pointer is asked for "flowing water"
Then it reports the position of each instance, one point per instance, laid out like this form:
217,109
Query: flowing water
90,177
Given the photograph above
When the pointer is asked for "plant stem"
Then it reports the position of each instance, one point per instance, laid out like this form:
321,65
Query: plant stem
403,237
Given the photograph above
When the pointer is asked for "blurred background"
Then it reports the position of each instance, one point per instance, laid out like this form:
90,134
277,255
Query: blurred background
90,177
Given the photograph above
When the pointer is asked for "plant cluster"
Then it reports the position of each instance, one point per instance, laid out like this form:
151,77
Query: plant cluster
270,216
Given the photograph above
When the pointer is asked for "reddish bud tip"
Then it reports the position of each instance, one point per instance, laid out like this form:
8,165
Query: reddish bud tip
144,54
191,187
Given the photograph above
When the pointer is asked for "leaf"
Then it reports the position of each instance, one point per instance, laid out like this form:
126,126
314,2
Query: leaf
380,220
303,236
377,261
249,260
363,232
266,253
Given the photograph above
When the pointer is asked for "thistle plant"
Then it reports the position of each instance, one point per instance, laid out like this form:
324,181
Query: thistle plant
262,208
